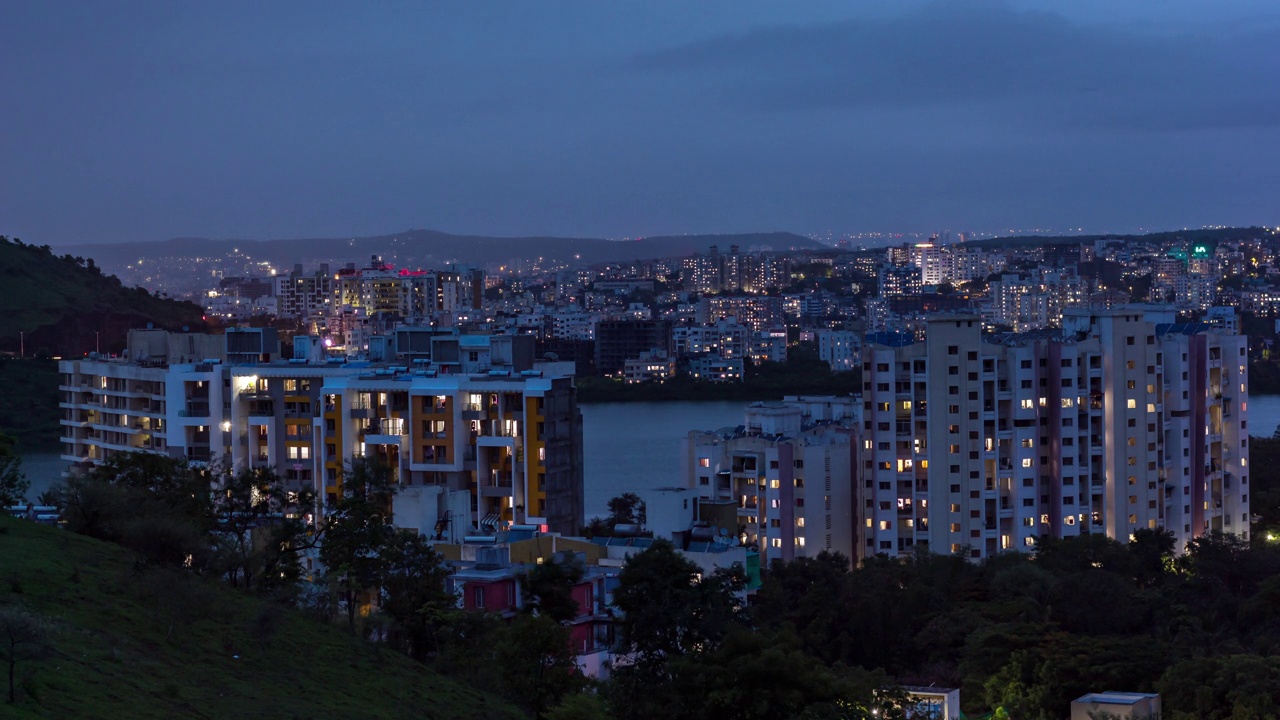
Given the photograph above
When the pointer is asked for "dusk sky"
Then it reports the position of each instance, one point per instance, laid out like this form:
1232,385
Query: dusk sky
145,121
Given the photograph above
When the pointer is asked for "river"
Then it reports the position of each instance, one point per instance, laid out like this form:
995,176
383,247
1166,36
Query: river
629,447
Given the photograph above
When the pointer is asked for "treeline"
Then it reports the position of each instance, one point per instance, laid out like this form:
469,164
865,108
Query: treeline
1019,634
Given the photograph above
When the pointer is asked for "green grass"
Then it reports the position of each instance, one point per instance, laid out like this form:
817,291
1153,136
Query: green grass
132,642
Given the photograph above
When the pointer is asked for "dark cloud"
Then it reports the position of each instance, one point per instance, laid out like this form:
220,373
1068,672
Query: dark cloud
1031,65
145,120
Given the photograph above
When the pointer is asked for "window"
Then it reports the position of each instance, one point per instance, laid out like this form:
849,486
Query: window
479,596
704,462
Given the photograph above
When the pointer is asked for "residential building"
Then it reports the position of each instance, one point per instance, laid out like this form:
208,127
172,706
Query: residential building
472,451
759,312
1119,705
840,349
782,482
654,365
619,340
1119,421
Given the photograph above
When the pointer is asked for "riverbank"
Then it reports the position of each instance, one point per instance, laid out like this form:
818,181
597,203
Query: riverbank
683,389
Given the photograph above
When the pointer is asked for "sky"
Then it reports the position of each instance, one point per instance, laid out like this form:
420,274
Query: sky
129,121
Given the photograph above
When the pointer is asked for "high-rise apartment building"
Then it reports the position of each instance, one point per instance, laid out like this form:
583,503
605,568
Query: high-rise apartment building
1119,421
472,449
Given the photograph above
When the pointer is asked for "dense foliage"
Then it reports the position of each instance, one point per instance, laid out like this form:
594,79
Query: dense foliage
1030,634
1019,634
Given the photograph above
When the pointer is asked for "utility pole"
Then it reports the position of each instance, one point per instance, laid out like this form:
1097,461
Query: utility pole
97,341
22,345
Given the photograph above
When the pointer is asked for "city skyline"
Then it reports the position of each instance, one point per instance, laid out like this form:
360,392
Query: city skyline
230,122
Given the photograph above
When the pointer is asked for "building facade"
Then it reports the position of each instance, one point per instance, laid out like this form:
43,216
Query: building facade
1119,421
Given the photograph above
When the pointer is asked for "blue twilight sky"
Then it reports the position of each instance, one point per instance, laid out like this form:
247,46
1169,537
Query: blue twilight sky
143,121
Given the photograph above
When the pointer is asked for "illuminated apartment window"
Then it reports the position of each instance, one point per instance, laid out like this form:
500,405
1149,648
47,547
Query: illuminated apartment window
1026,462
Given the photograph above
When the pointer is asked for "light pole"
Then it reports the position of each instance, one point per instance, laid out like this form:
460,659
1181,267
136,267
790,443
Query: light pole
97,341
22,345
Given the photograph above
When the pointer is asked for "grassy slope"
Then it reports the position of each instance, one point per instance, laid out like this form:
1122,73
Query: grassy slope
134,643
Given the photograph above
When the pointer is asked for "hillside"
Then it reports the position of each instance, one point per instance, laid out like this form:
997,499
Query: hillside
66,306
131,642
430,247
29,404
1192,236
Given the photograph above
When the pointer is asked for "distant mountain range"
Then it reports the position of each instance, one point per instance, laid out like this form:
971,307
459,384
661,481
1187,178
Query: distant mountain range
430,247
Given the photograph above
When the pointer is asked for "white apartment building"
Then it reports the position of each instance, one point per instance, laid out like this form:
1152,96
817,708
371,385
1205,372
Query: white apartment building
472,451
784,479
165,396
1120,421
841,349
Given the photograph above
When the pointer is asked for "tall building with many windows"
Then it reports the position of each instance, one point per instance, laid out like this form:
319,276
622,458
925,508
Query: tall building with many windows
1120,421
472,450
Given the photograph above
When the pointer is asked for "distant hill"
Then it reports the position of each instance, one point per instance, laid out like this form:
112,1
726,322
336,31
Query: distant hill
130,641
67,306
430,247
1191,236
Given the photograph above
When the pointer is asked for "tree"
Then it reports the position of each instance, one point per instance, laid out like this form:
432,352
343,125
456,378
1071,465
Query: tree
740,680
260,529
627,508
669,609
548,589
538,664
13,484
356,532
157,506
413,593
23,636
1221,688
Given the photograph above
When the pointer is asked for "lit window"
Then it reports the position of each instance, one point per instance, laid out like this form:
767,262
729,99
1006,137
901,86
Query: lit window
1132,403
1026,462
